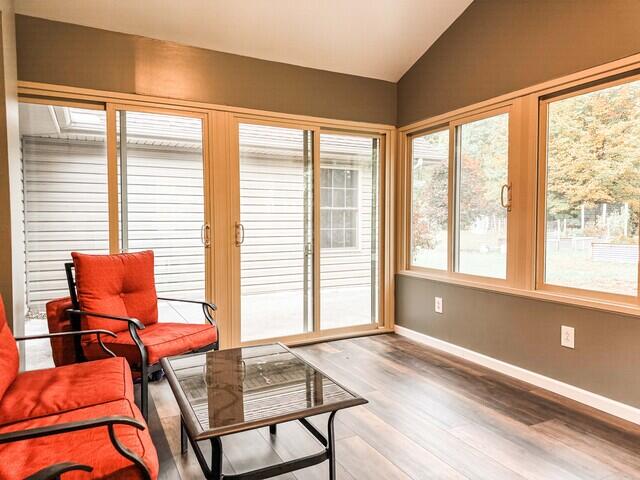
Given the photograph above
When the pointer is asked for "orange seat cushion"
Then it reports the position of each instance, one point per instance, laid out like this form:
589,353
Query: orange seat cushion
51,391
8,353
121,285
90,447
160,339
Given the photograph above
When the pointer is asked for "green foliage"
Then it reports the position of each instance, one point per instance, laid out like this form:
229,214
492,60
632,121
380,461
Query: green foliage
593,151
483,171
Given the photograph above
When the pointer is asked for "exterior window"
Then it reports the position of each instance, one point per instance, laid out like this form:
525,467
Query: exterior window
429,200
64,165
339,208
481,220
593,190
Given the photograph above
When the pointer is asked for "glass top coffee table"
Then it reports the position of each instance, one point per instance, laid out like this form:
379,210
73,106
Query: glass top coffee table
230,391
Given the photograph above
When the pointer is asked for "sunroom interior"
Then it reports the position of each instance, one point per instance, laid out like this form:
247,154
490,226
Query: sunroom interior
303,240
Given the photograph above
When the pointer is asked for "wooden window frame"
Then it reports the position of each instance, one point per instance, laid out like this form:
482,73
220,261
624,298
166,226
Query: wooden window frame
527,107
541,283
219,151
385,234
452,125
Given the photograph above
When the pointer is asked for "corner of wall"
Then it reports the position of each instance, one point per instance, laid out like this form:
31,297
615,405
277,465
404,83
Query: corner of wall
14,266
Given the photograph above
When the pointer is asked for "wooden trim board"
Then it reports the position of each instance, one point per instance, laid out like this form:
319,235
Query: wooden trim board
599,402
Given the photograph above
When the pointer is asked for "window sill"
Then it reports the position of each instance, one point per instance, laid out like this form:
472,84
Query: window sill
630,309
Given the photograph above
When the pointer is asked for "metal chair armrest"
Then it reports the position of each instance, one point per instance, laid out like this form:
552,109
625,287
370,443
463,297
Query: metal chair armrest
53,472
63,334
96,332
108,422
207,307
212,306
69,427
138,324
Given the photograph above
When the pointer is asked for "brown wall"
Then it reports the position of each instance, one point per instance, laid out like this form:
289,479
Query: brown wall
67,54
499,46
526,332
496,47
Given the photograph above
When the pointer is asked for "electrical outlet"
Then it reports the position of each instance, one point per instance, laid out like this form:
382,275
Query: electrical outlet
567,336
438,305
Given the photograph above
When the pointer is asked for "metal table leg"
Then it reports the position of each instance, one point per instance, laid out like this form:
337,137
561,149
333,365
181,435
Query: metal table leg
328,453
183,437
216,458
331,447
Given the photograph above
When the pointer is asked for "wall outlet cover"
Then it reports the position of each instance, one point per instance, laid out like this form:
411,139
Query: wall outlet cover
438,305
567,336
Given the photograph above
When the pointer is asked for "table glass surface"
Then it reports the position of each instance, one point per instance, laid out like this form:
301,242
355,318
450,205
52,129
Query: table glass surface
253,384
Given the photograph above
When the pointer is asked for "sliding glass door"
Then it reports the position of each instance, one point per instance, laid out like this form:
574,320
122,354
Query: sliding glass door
307,231
349,225
161,202
275,231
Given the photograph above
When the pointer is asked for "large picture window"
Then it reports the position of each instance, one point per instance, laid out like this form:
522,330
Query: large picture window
592,190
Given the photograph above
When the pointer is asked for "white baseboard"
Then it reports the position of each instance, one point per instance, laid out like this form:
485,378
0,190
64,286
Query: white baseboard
612,407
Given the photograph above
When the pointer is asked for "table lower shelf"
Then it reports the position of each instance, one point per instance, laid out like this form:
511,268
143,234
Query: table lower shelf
213,470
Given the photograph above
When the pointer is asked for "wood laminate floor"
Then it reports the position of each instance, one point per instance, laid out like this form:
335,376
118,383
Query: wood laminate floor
430,416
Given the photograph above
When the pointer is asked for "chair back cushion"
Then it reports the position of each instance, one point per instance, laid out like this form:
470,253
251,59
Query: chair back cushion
64,349
121,285
8,353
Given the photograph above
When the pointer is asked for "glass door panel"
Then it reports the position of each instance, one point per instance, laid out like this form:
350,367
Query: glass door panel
275,231
65,201
349,225
161,203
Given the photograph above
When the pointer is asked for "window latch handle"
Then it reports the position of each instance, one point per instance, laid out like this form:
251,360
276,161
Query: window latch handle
506,203
205,235
239,234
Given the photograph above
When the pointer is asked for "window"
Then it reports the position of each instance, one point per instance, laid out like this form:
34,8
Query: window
592,190
466,223
481,220
536,195
64,164
430,200
292,280
339,208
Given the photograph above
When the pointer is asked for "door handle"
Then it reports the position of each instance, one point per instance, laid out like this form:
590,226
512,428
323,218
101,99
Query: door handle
239,234
506,204
205,235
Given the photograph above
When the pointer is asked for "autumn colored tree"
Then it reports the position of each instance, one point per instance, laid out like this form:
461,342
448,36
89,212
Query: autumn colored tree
593,151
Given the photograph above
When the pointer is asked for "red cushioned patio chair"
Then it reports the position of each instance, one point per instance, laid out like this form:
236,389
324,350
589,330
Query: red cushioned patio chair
118,293
75,418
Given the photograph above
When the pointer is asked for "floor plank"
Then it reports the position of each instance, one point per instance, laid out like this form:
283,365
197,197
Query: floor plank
430,416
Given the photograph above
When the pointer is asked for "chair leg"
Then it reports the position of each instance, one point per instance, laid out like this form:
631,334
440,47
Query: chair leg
144,392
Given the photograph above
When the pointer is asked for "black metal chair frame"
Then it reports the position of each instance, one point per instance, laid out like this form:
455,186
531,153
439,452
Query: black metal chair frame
55,471
133,326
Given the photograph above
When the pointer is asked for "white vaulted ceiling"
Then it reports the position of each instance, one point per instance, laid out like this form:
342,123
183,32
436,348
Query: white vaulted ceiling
371,38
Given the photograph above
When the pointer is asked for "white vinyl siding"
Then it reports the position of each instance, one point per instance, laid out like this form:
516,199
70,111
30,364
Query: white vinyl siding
65,209
165,198
271,255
